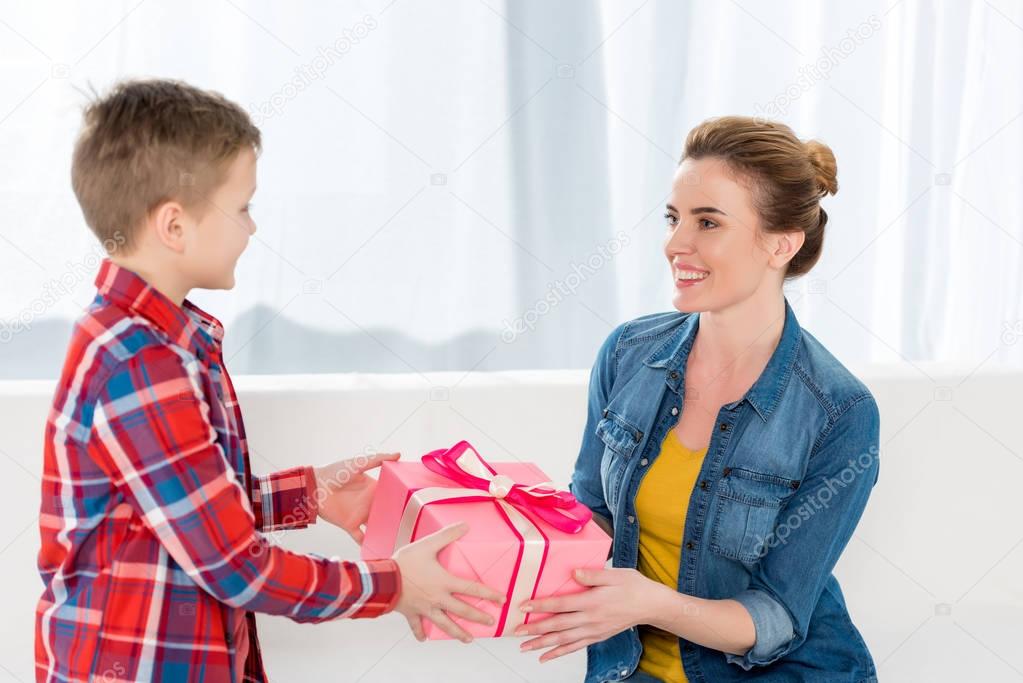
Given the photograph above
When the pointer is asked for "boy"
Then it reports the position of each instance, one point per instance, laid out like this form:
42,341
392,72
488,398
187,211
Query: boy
153,556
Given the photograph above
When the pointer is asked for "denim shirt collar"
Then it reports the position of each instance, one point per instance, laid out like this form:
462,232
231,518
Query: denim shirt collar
765,392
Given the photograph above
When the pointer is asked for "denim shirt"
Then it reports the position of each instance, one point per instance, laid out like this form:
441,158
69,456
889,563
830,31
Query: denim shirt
784,482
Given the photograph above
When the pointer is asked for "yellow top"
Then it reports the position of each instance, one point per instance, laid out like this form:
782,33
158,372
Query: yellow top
661,504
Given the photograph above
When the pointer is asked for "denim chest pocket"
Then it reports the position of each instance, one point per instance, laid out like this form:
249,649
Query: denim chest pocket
746,512
620,440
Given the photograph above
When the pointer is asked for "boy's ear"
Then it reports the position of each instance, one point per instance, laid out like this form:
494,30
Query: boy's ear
167,223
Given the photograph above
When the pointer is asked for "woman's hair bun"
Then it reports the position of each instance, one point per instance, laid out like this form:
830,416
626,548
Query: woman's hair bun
823,160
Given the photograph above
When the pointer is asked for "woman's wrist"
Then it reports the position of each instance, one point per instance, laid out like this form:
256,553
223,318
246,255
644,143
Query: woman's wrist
673,611
723,625
658,601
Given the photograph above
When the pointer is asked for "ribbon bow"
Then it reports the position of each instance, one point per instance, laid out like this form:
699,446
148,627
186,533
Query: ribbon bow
464,465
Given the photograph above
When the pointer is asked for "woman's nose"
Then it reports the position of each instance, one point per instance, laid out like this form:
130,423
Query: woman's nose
680,241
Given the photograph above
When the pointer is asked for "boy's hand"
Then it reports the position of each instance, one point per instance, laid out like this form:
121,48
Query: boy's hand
344,491
426,587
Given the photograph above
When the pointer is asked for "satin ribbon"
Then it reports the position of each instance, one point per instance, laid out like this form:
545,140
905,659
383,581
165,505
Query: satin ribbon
463,465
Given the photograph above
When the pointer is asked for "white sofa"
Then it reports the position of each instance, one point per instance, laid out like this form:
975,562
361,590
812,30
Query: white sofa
932,575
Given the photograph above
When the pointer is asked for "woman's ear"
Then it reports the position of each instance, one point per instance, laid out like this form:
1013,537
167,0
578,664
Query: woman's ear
784,246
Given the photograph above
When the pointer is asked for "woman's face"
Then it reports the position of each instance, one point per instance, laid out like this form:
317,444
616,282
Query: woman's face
715,248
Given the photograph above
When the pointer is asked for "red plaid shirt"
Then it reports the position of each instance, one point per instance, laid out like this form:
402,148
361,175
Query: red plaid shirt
153,556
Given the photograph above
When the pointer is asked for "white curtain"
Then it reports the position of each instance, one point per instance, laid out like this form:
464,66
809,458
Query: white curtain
479,184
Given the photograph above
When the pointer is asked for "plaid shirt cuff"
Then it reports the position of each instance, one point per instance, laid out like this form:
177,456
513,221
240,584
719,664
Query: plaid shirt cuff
312,504
383,581
285,500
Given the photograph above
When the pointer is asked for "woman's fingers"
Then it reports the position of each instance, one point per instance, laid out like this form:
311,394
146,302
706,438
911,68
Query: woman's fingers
462,609
562,650
559,622
552,639
563,603
444,623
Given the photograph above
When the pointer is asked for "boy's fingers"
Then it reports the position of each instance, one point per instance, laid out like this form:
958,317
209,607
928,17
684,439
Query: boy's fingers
444,623
416,624
478,590
448,534
466,611
373,461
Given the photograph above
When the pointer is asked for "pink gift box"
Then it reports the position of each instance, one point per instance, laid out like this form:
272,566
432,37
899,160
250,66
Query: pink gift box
535,563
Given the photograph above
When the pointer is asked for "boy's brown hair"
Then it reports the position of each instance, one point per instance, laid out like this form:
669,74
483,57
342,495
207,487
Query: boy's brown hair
150,141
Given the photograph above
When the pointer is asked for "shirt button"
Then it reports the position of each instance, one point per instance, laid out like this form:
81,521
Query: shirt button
632,520
673,375
689,545
704,485
724,426
643,462
674,411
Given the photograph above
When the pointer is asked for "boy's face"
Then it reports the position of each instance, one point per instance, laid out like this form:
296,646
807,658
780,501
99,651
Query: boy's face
214,243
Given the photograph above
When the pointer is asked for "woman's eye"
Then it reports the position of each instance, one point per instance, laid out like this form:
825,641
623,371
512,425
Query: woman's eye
707,220
671,219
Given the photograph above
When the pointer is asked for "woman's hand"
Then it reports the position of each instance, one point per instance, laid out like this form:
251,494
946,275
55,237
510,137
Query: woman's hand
344,491
617,600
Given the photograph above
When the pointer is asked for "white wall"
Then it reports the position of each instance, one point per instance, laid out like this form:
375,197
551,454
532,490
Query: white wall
931,575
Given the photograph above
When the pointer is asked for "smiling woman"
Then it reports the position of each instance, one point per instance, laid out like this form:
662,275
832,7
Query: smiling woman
737,419
771,184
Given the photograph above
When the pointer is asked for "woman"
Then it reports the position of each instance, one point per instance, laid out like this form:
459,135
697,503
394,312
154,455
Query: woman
726,450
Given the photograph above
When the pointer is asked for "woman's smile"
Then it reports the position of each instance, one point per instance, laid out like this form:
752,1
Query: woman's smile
690,278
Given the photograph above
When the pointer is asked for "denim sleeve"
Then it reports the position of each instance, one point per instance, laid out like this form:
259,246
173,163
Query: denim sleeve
586,484
812,531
